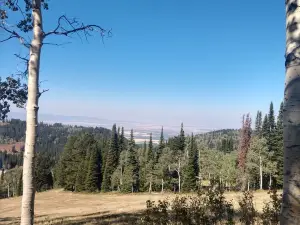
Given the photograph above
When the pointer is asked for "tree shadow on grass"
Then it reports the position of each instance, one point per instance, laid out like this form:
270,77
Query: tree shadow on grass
102,218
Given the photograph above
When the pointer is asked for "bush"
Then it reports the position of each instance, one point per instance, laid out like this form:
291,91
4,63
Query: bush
247,210
204,208
271,210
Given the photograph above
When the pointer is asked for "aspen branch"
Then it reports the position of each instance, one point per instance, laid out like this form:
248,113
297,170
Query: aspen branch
13,34
73,26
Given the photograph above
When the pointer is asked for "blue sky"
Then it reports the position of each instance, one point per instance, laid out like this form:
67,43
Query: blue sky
201,62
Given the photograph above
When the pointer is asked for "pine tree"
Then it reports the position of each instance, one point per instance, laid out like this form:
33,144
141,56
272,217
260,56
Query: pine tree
81,175
111,160
131,171
191,169
279,147
258,123
161,144
121,139
150,155
181,139
92,174
265,127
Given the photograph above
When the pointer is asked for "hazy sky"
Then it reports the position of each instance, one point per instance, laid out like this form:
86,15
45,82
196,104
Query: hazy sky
201,62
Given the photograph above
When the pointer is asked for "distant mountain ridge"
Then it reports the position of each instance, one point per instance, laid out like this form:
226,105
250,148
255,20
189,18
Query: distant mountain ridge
141,130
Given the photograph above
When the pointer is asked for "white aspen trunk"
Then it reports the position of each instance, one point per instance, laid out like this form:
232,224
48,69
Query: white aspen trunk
248,187
260,174
27,215
150,185
162,185
270,182
8,193
290,211
121,177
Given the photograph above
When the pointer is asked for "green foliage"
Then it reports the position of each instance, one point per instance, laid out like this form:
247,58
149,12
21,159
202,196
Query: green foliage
79,165
131,170
93,170
191,168
258,124
205,208
111,161
247,210
43,174
161,144
271,210
11,90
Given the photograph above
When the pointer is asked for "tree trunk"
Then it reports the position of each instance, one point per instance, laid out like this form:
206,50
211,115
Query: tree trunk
260,174
8,193
27,215
290,211
248,186
150,186
162,185
270,182
179,177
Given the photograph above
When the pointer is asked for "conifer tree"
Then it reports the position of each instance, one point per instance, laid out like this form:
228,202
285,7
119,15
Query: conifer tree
150,155
92,174
258,123
121,139
279,146
265,127
150,164
111,160
131,170
272,126
191,169
181,139
161,144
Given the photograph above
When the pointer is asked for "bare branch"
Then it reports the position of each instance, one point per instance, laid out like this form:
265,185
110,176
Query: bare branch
13,34
49,43
26,62
20,57
42,92
74,27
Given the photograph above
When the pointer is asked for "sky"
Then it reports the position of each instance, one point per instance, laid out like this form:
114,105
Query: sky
203,63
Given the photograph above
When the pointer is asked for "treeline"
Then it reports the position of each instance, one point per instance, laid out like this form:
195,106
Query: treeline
96,159
50,143
237,159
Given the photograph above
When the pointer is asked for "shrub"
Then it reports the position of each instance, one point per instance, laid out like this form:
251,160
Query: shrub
271,210
247,210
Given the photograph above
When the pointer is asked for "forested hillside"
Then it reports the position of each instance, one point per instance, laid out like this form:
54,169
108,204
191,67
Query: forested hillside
96,159
50,143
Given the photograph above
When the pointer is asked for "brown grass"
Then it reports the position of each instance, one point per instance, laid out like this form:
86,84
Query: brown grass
59,207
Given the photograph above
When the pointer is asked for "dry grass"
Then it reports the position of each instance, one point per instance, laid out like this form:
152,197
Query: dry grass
61,207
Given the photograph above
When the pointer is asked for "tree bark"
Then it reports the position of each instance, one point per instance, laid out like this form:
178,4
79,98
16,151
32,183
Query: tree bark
290,211
179,177
162,185
270,182
260,174
27,215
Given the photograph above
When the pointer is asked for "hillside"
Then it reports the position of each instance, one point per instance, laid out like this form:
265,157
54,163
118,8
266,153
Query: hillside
51,138
225,140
